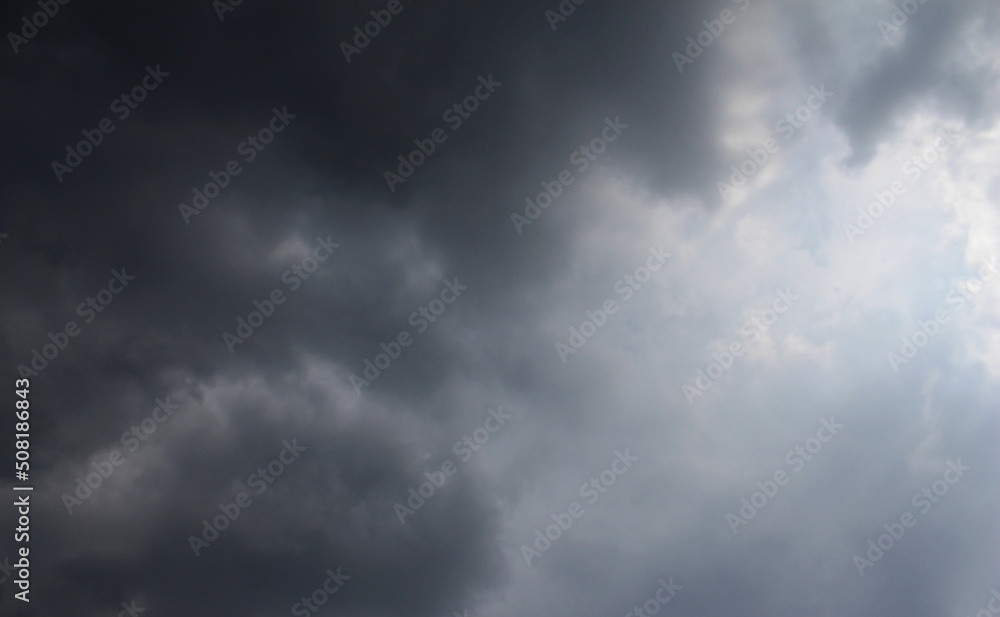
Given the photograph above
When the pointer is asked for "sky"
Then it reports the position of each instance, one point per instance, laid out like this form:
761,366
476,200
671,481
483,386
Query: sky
445,309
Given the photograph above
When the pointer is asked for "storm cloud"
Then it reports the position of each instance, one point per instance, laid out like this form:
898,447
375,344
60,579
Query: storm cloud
581,308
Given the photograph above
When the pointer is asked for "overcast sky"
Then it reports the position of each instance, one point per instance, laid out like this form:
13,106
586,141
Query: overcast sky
518,308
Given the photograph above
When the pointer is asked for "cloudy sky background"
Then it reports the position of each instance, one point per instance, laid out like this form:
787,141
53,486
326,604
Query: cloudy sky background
655,186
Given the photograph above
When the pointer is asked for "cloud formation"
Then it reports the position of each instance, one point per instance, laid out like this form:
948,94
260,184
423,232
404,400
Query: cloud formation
490,210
